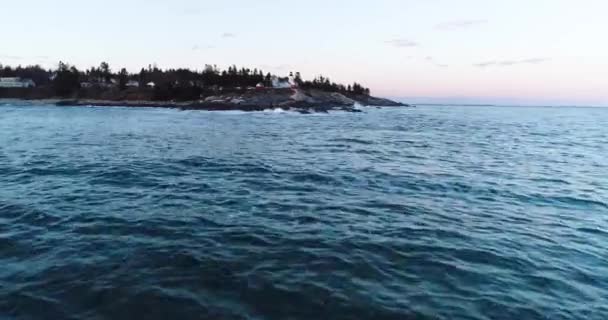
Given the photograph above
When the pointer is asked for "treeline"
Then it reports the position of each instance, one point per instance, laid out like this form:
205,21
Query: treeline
326,84
167,84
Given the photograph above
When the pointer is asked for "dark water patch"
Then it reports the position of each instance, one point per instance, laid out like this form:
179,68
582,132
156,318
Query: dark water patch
13,213
491,260
198,162
181,189
315,177
123,176
33,306
50,168
397,208
11,248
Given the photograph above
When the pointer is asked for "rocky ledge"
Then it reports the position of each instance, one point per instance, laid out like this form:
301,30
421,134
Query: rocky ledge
300,100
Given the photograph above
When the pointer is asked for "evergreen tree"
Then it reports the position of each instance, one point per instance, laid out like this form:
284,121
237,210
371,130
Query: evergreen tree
142,77
123,77
66,80
104,68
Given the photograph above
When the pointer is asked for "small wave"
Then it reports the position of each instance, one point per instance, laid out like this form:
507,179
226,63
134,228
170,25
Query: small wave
353,141
549,180
574,201
596,231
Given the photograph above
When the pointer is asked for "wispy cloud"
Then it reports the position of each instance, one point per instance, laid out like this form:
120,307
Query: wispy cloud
228,35
10,57
460,24
402,43
197,47
189,11
434,62
507,63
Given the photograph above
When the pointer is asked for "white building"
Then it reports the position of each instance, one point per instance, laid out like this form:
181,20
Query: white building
16,83
281,83
133,84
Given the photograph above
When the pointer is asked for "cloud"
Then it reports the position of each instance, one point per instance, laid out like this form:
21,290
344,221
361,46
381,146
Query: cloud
432,61
189,11
197,47
507,63
228,35
9,57
402,43
459,24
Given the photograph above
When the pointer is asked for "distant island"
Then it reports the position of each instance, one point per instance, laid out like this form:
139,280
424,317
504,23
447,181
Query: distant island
208,89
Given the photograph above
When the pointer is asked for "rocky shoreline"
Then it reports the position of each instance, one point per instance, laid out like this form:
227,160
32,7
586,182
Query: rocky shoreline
299,100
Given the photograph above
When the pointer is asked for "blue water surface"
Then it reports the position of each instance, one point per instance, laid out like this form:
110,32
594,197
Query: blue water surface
397,213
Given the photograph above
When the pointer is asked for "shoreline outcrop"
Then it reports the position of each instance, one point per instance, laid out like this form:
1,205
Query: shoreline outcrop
300,100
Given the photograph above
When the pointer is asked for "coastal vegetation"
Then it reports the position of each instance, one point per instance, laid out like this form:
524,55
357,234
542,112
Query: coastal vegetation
156,84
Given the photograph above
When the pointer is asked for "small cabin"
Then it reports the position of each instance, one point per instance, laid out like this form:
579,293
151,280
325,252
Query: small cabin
16,82
132,84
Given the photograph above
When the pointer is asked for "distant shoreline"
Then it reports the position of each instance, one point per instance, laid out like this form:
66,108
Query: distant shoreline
208,89
299,100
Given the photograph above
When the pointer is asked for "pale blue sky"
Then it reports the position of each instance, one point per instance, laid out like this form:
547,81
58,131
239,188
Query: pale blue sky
516,51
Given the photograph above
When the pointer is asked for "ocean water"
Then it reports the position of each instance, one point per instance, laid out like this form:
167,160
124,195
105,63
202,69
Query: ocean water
422,213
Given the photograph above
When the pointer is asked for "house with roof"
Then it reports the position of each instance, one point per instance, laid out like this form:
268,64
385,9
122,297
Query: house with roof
281,83
16,82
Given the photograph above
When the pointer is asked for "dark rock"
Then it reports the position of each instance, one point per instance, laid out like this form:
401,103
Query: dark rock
300,100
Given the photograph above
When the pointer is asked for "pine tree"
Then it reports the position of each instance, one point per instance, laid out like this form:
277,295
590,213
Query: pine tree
123,77
104,67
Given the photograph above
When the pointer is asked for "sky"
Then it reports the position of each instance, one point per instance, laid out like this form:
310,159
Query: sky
537,52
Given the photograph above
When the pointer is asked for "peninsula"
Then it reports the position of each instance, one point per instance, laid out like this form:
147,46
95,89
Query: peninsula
207,89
